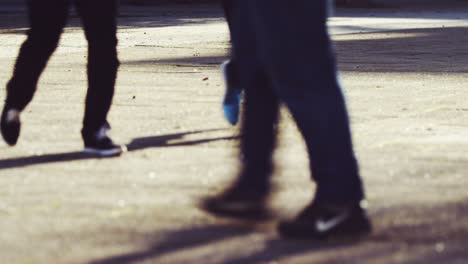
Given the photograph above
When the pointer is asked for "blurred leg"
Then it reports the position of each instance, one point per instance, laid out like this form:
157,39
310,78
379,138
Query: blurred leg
258,133
247,196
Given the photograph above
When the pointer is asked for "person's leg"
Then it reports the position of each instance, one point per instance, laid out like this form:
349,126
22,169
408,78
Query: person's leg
99,22
47,19
227,8
258,135
303,72
261,106
246,197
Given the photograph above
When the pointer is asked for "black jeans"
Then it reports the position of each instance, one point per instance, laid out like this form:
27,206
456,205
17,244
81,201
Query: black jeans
285,55
47,20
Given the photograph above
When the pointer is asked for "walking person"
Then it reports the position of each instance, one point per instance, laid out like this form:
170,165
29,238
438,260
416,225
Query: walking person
47,20
290,61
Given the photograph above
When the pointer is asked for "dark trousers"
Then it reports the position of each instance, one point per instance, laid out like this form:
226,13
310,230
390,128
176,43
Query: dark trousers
47,20
285,55
227,8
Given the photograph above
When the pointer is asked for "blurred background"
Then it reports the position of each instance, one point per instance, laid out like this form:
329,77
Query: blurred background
349,3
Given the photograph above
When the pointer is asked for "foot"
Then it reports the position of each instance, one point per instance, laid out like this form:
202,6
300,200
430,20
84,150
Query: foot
327,222
232,97
100,144
10,125
231,106
238,202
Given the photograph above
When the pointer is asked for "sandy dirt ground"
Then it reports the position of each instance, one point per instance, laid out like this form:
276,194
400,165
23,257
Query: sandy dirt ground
404,73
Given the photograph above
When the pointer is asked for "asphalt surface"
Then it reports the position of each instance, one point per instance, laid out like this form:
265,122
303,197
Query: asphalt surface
404,73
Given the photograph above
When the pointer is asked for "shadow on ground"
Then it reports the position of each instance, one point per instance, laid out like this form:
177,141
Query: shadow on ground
136,144
179,240
397,230
13,17
204,236
409,234
431,50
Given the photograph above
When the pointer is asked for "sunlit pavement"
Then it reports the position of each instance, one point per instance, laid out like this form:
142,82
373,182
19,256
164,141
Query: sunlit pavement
404,73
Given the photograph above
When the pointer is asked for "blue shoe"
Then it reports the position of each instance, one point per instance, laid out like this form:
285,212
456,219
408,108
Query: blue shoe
231,106
233,95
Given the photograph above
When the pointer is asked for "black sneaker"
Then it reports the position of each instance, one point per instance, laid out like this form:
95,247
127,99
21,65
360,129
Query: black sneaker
102,145
10,125
238,202
327,222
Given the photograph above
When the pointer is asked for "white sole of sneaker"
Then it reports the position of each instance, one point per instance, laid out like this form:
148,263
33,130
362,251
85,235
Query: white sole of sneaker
105,153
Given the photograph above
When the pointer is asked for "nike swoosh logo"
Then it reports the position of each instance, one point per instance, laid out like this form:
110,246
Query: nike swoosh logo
324,226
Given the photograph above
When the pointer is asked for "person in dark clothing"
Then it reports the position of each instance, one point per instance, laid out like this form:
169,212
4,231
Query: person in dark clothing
233,95
47,20
290,61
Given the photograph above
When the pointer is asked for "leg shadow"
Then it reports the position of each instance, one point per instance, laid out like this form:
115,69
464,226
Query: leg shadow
278,248
179,240
134,145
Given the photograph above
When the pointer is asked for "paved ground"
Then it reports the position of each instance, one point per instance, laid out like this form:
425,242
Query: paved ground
405,77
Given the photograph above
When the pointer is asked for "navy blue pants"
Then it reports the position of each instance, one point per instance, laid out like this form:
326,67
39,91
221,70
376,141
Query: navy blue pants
285,56
47,20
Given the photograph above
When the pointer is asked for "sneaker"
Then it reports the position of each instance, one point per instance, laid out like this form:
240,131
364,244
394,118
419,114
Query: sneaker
232,97
327,222
238,202
102,145
10,125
